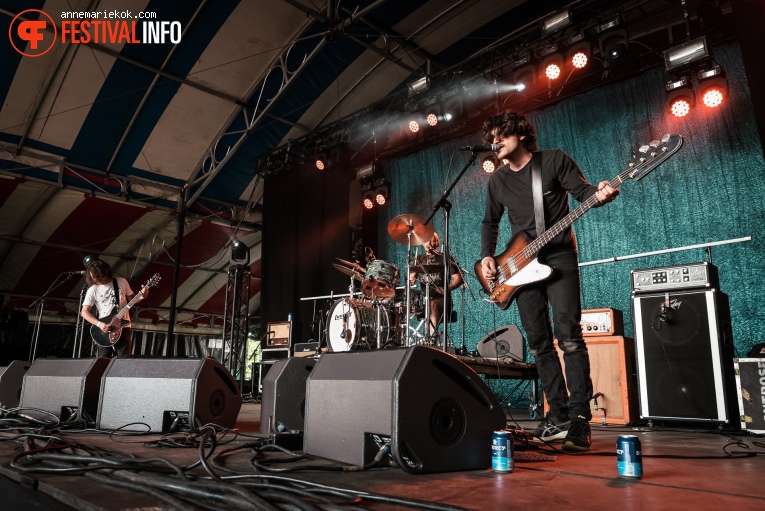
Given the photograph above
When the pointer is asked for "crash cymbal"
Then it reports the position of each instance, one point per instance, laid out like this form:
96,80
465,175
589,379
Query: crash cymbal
399,229
349,271
353,265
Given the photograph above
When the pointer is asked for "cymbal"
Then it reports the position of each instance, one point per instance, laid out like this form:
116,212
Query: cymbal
349,271
353,265
426,268
399,229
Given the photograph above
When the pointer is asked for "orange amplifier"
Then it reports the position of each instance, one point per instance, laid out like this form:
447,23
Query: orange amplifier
602,322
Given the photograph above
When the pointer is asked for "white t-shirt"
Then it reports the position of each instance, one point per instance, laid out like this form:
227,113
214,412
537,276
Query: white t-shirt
102,296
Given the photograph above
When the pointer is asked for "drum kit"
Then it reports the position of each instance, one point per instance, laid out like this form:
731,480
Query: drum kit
380,314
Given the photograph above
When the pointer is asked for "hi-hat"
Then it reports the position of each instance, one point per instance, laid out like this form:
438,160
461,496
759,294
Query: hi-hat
349,271
400,227
353,265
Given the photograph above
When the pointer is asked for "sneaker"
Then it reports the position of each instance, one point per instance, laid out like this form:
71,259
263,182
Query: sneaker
551,429
578,437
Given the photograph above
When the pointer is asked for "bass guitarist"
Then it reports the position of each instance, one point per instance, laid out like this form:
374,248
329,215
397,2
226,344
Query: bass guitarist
101,293
510,188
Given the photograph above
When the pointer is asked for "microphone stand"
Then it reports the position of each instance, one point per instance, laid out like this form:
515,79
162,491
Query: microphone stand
40,303
444,203
79,326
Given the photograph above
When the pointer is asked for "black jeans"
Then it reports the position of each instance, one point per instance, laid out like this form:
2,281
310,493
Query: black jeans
122,348
562,291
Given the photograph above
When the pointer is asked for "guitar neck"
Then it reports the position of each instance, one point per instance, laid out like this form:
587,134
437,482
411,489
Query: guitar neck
565,222
126,308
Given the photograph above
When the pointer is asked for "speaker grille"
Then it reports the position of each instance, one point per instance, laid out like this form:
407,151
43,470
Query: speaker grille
447,422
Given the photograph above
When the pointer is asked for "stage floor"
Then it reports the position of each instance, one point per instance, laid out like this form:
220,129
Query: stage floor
684,468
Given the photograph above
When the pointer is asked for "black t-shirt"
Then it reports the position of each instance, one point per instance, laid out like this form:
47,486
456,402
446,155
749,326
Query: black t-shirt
511,191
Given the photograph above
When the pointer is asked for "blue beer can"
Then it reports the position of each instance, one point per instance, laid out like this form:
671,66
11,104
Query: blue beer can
629,458
502,451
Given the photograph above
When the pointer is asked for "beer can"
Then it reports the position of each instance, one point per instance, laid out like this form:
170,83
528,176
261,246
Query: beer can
502,451
629,458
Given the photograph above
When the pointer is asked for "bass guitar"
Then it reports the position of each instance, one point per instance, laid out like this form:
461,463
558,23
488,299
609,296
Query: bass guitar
518,265
116,321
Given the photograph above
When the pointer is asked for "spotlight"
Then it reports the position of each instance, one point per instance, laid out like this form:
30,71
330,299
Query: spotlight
321,161
489,163
524,77
552,66
417,86
382,191
414,126
240,253
87,260
686,53
367,196
612,41
579,53
713,86
680,97
431,118
556,22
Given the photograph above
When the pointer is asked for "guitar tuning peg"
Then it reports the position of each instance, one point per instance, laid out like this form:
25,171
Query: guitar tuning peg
665,138
644,148
655,143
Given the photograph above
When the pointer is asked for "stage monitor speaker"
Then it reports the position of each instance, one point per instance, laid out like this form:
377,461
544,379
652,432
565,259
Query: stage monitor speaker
167,393
503,342
684,355
435,412
283,398
63,387
11,380
612,369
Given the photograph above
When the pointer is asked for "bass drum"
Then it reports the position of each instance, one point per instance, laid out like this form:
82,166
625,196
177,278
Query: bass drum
352,325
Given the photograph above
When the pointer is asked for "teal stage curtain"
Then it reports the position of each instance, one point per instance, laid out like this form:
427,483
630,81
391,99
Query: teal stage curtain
711,190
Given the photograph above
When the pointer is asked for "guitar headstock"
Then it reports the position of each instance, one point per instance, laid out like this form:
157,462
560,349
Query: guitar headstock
652,155
153,280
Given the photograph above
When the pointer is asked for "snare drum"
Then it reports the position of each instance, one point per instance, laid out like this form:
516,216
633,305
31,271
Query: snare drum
381,279
352,325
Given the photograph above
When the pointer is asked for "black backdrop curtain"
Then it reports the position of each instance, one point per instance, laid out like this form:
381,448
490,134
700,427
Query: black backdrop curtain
306,226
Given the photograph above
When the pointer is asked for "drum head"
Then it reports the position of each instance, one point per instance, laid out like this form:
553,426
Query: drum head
381,279
341,326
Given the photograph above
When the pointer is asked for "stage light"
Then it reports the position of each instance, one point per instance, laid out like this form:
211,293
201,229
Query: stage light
87,260
365,171
680,97
612,41
525,77
382,191
367,196
683,54
240,253
552,66
579,54
414,126
556,22
431,118
448,116
713,86
489,163
417,86
321,161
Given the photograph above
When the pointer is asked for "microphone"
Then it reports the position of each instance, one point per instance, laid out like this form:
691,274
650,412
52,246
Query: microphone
481,148
81,272
664,309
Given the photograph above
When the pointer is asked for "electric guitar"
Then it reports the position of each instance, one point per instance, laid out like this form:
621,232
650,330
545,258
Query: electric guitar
116,320
518,265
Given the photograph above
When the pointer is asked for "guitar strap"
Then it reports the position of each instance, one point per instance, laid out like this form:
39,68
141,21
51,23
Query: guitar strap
536,190
116,294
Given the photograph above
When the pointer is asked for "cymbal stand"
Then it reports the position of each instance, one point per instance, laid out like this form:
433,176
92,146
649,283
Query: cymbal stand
407,340
40,303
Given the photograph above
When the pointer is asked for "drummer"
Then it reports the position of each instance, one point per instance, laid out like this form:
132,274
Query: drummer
433,257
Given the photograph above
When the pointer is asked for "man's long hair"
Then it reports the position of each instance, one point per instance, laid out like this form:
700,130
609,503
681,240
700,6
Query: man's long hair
98,272
510,123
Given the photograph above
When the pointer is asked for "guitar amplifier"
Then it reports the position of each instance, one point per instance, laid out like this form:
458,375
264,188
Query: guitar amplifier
597,322
278,335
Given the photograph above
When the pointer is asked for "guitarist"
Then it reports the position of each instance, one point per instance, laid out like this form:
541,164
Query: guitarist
99,277
510,188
